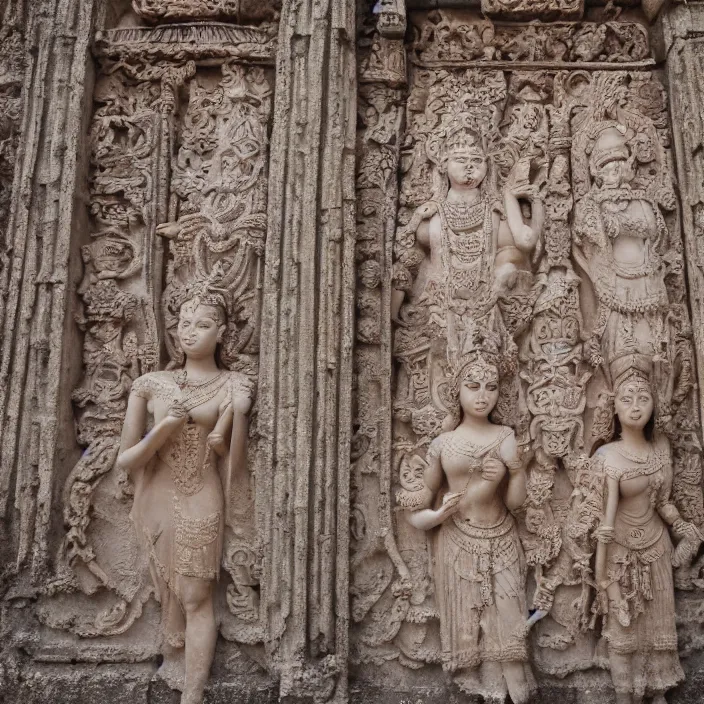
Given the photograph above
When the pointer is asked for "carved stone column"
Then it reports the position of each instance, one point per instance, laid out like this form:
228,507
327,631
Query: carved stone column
306,361
36,271
683,31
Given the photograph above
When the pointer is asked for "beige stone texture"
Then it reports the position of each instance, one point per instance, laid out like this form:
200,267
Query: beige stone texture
351,351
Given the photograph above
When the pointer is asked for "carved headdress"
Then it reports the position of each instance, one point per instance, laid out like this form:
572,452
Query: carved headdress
631,366
205,292
610,145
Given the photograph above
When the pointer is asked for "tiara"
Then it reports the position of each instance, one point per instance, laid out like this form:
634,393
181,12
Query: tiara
631,366
205,293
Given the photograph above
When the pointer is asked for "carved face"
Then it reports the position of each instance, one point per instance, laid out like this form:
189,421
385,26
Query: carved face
466,167
611,174
200,328
480,390
556,437
634,403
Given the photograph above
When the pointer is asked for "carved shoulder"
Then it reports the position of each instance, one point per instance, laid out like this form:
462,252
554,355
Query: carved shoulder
152,385
242,385
435,449
509,449
406,236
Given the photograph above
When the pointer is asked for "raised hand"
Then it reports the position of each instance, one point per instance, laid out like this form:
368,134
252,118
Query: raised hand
493,469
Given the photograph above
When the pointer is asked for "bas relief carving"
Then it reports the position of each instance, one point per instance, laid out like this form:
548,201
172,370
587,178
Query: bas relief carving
526,495
194,10
162,500
538,228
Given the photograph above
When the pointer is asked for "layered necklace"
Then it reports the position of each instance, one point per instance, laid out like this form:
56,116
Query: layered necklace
194,393
462,216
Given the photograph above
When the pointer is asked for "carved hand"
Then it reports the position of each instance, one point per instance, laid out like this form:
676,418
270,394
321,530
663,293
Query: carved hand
604,534
170,230
493,469
687,530
176,416
451,504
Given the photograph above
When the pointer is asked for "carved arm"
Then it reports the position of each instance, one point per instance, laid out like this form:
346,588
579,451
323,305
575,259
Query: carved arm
135,450
517,490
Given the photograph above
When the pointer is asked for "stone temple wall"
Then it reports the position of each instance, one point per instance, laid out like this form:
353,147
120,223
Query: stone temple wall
351,351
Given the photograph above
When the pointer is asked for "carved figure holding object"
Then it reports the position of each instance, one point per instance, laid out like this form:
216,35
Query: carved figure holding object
184,470
635,556
480,569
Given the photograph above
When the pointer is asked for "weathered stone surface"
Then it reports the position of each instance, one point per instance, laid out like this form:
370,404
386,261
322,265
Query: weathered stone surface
352,351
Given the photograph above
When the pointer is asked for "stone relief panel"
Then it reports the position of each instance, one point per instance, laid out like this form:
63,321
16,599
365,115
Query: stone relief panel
534,9
443,38
243,11
537,289
177,205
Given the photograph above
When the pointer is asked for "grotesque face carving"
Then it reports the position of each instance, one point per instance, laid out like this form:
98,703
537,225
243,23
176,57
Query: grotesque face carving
634,403
479,390
200,328
466,167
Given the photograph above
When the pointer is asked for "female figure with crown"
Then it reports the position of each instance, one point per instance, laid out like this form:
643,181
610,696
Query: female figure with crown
621,241
473,250
480,570
474,254
635,556
184,470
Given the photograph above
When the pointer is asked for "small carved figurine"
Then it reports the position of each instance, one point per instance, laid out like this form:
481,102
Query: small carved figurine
183,471
634,554
480,570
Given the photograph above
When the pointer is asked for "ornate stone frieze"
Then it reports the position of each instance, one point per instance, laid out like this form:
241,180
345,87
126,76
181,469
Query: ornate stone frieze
546,10
196,42
447,38
344,359
243,11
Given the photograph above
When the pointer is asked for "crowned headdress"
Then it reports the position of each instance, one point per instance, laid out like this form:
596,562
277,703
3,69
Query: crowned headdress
610,145
632,365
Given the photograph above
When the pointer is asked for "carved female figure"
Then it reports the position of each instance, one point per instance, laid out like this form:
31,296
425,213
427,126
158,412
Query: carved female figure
621,238
473,255
480,570
182,495
471,247
635,555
